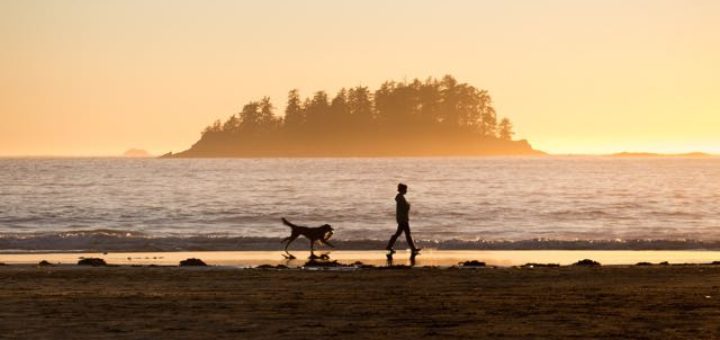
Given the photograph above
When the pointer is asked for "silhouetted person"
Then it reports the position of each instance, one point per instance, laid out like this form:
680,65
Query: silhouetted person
402,214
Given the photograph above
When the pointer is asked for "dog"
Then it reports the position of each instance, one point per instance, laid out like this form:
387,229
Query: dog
322,233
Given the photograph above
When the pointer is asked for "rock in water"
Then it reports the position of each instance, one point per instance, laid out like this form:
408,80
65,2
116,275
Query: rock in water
92,261
192,262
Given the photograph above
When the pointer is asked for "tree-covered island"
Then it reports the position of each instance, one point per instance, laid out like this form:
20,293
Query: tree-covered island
418,118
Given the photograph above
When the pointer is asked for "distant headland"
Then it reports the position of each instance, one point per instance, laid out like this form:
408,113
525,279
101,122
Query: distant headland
418,118
650,154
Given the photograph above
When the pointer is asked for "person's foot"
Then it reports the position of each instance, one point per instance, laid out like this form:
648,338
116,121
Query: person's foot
390,251
416,250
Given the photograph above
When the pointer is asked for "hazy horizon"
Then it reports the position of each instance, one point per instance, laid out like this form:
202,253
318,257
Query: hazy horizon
85,78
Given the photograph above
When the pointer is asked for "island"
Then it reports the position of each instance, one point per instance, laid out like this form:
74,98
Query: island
434,117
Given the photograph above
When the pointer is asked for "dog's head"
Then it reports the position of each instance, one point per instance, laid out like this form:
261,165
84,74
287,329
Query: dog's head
327,231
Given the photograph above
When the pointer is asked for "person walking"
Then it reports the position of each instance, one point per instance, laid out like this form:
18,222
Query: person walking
402,215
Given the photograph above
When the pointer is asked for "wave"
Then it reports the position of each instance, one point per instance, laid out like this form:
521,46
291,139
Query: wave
117,240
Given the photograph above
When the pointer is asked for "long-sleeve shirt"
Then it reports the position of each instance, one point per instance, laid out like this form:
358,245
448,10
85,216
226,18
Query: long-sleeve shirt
403,209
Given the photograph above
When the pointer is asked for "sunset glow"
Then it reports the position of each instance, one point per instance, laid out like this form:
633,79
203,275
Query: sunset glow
81,78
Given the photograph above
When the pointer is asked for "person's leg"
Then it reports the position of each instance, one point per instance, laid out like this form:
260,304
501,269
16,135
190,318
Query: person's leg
394,238
408,236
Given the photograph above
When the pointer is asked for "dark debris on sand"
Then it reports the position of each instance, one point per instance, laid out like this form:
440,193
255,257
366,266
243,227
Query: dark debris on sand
587,263
326,264
359,264
540,265
92,261
472,264
44,263
192,262
269,266
395,267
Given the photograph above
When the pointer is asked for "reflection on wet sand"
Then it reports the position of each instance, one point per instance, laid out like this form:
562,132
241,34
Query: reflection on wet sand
428,257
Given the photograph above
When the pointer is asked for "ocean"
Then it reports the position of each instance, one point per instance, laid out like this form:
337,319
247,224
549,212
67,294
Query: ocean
466,203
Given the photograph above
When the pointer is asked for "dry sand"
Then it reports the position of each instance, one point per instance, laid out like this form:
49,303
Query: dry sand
161,302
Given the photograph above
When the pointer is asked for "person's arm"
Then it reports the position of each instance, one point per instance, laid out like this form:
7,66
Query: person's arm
402,202
403,207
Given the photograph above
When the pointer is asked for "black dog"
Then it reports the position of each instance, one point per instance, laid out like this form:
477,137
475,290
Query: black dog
322,233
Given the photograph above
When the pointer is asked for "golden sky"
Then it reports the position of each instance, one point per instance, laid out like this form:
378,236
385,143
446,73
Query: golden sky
91,77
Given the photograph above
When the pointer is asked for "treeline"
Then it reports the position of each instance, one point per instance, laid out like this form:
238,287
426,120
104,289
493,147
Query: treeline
434,116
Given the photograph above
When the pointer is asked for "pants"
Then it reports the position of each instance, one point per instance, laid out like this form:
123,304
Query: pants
402,227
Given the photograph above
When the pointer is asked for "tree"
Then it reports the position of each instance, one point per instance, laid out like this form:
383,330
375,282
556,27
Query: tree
361,106
450,98
489,122
250,117
267,119
317,111
430,101
340,110
294,114
215,128
506,129
232,124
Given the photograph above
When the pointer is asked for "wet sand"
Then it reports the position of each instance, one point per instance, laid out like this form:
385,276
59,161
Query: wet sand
172,302
429,257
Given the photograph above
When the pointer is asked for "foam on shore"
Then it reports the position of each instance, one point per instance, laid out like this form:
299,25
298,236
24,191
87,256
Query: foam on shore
132,241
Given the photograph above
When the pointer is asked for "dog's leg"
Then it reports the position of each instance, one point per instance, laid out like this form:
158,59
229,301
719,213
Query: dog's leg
290,240
312,249
327,242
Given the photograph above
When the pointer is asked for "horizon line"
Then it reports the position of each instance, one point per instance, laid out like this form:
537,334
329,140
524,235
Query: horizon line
630,154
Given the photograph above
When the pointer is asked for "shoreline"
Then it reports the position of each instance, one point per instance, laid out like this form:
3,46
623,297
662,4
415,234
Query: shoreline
428,257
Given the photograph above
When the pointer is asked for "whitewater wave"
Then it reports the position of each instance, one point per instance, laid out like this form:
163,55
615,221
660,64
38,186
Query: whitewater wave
119,240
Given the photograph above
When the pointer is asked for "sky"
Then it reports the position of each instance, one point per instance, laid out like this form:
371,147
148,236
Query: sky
95,78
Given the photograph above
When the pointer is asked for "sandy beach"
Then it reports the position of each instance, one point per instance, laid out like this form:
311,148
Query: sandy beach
169,302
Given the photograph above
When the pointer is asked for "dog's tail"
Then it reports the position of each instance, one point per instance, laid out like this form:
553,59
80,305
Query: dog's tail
287,223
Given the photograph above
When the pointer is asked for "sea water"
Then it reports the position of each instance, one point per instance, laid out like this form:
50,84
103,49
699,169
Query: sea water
171,204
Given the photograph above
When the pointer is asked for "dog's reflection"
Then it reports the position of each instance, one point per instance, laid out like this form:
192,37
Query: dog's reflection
323,256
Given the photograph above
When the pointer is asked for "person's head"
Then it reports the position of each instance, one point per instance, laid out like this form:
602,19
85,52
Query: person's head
402,188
